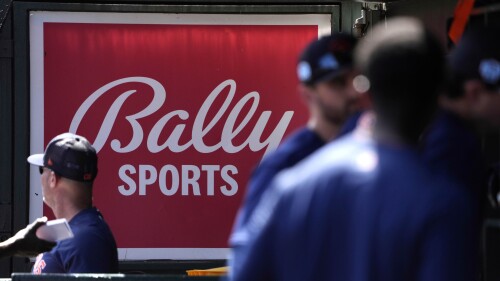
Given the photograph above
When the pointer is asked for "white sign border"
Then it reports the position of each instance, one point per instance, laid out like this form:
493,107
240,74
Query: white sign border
36,21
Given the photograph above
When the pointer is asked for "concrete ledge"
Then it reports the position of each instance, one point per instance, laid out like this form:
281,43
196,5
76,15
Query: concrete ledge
112,277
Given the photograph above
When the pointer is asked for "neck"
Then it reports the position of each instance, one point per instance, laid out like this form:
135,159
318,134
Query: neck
326,130
458,106
66,213
387,134
67,209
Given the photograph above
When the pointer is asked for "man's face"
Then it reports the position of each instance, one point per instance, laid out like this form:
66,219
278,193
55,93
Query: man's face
488,106
336,99
46,190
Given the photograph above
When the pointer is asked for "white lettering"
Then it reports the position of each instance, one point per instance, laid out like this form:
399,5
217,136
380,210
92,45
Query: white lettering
109,120
188,180
201,127
163,180
210,169
122,173
173,140
147,176
198,130
232,183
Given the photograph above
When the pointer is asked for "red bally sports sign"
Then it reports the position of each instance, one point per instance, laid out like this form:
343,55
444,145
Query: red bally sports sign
179,108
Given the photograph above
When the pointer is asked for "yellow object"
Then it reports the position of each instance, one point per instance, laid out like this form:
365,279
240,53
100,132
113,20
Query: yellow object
218,271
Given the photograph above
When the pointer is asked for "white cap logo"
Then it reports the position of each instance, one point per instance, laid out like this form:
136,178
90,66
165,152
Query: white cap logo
304,71
328,61
489,69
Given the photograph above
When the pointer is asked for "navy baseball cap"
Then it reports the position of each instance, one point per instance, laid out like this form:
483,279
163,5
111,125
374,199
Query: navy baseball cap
477,56
326,58
70,156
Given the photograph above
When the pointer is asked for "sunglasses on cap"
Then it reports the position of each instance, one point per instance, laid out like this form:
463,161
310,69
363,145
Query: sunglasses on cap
41,169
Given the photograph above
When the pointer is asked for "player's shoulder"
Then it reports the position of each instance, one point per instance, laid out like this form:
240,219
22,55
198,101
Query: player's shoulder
445,195
330,162
90,227
295,147
336,154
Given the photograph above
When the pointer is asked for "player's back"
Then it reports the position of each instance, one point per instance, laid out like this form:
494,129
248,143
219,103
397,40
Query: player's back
370,212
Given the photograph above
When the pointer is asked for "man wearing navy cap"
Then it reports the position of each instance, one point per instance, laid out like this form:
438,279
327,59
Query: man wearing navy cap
471,103
68,169
472,100
325,73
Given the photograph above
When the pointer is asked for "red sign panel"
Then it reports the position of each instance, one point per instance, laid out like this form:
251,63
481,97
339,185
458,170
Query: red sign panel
180,115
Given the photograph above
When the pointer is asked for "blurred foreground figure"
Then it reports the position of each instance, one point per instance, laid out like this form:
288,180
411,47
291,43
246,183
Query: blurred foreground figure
325,71
366,207
470,106
471,103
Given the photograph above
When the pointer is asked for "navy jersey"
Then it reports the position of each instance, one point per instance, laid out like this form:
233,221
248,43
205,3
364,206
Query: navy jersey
91,250
453,148
299,145
358,210
295,148
351,123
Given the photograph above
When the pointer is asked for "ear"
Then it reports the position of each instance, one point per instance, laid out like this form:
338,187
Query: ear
365,101
53,179
473,90
305,93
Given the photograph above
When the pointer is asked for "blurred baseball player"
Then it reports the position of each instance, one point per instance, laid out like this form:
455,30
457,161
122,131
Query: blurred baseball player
325,71
366,207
